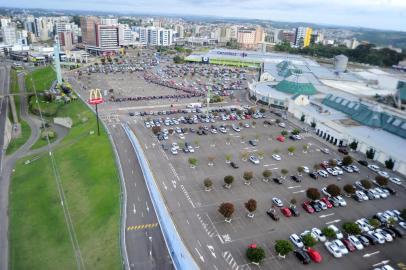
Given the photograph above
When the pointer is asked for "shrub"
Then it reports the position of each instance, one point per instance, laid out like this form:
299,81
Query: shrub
332,162
228,179
403,213
256,254
296,131
291,149
350,189
366,184
374,222
370,153
313,194
381,180
333,190
283,247
193,161
293,201
248,175
267,173
308,240
329,233
251,205
156,130
347,160
351,228
390,163
284,133
313,124
284,172
208,183
226,209
354,145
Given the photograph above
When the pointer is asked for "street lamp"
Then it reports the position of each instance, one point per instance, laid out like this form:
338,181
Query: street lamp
95,99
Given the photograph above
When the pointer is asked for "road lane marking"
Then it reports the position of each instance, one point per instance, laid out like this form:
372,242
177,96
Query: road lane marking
142,226
333,221
294,187
200,255
134,210
366,255
299,191
146,203
327,215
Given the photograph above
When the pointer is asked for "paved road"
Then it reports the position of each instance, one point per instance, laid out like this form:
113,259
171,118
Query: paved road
144,241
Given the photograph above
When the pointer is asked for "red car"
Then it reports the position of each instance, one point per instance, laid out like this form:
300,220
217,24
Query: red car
286,212
248,116
281,138
306,206
314,255
327,202
348,245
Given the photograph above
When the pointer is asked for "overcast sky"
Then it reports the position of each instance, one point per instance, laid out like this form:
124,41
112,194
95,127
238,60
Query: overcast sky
380,14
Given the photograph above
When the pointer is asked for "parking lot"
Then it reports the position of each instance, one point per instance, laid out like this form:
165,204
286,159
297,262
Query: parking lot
195,210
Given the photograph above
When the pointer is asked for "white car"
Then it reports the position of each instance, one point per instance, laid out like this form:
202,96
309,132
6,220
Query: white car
355,241
309,232
379,237
354,168
246,125
362,225
214,131
175,146
181,136
296,240
381,193
223,130
236,128
338,170
322,204
332,171
277,201
340,200
325,150
383,174
191,149
282,125
333,249
403,225
392,214
386,235
306,169
324,191
373,167
319,234
341,246
276,157
322,173
339,234
348,169
254,160
395,180
361,195
174,151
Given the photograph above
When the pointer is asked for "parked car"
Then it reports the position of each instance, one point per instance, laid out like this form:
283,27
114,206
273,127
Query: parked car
253,143
314,255
286,212
306,206
341,246
364,241
363,162
315,206
350,247
325,150
374,168
343,150
295,178
314,175
355,242
278,202
294,210
319,234
272,214
295,239
276,157
234,165
254,160
395,180
333,249
302,256
339,234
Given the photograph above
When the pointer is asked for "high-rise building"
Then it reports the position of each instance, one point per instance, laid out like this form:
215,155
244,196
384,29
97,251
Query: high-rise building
9,34
88,27
287,36
107,38
66,40
303,36
250,37
109,21
125,35
180,31
155,36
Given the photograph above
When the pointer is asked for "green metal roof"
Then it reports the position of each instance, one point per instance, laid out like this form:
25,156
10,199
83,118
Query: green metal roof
402,94
368,115
296,84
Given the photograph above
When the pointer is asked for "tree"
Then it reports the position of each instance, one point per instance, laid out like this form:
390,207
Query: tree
262,110
308,240
381,180
156,130
211,160
351,228
329,233
227,210
374,222
333,190
276,151
313,124
283,247
347,160
403,213
390,163
251,206
302,118
349,189
300,170
197,143
261,154
208,183
305,148
316,167
267,174
370,153
291,150
313,194
332,162
193,162
248,175
391,221
284,172
366,183
296,131
253,124
354,145
278,121
293,201
228,180
103,61
244,156
284,133
255,254
228,158
178,59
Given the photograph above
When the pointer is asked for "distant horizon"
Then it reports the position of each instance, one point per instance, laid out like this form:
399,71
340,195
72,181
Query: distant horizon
374,14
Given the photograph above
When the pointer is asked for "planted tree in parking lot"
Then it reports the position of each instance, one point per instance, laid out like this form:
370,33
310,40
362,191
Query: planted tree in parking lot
276,151
351,228
308,240
170,131
228,180
300,170
305,148
374,222
255,254
266,174
333,190
332,162
291,150
284,133
262,110
248,175
156,130
228,140
227,210
253,124
197,143
391,221
347,160
228,158
296,131
329,233
349,189
208,183
353,145
244,156
370,153
381,180
313,194
261,154
366,183
251,206
293,201
211,160
390,163
283,247
284,172
240,124
193,162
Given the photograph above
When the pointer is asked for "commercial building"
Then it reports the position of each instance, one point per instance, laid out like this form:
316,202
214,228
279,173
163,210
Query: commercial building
249,38
303,36
155,36
65,40
88,27
9,34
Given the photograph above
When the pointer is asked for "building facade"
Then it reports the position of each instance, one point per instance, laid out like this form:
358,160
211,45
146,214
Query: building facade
303,36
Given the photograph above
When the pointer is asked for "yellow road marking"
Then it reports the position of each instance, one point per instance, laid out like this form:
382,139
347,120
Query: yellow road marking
142,226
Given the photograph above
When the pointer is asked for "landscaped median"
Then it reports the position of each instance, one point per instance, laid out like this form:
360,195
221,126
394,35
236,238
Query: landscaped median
39,236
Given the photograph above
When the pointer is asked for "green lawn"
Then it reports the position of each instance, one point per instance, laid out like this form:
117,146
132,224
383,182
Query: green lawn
18,142
41,142
38,236
42,78
48,109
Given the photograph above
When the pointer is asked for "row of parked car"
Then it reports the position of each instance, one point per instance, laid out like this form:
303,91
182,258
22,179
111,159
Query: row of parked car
376,169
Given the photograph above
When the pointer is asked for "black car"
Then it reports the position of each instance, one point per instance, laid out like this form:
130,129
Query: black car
364,241
131,114
363,162
343,151
398,231
234,165
302,256
313,175
294,210
204,132
391,190
315,206
199,132
372,240
272,214
277,180
253,143
295,178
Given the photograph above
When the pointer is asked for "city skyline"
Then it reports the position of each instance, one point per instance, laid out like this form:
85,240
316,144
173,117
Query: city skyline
362,13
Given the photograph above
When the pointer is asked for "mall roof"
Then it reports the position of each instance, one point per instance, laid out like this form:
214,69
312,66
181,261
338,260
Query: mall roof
296,84
372,116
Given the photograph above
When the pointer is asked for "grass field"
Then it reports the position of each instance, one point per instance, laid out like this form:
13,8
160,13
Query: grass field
42,78
41,142
38,236
18,142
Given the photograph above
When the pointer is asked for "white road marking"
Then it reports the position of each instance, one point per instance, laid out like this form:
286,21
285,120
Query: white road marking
211,248
132,171
267,165
333,221
135,184
138,198
299,191
366,255
187,221
134,210
294,187
146,203
198,242
200,255
327,215
165,187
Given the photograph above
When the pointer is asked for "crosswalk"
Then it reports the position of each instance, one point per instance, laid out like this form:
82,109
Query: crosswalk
228,257
207,225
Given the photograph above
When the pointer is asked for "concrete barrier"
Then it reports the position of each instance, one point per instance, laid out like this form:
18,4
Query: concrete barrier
181,257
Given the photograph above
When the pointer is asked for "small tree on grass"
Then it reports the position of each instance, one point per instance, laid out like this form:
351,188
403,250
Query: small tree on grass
283,247
390,163
284,172
309,240
208,183
329,233
366,183
227,210
333,190
228,180
255,254
266,174
347,160
351,228
211,160
374,222
228,158
349,189
313,194
248,175
284,133
300,170
354,145
291,150
251,206
381,180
